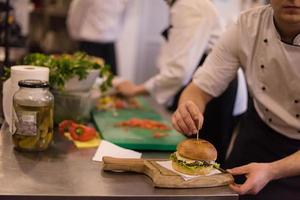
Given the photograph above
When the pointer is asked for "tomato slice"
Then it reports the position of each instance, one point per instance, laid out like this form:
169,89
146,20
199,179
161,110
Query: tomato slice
144,123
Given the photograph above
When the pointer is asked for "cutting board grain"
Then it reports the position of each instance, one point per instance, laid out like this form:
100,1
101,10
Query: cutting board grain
162,177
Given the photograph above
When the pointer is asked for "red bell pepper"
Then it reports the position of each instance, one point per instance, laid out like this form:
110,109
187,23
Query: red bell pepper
64,126
82,133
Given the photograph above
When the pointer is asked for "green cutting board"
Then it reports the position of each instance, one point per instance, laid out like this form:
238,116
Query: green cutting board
135,138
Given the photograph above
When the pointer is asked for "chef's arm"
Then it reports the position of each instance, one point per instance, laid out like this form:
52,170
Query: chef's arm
192,31
196,95
286,167
210,80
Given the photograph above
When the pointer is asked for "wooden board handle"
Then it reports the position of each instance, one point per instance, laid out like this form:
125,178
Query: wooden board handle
123,164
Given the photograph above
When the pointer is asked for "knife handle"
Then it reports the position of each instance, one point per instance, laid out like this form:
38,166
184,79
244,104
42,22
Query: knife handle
123,164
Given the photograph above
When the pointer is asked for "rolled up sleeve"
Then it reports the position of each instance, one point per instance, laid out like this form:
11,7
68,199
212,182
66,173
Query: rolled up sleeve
221,66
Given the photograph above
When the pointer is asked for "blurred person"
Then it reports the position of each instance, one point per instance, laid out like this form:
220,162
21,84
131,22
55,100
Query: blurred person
195,27
247,4
96,25
266,42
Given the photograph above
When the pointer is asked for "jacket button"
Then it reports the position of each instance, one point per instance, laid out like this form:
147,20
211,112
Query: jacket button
297,115
263,88
270,120
296,101
266,40
262,66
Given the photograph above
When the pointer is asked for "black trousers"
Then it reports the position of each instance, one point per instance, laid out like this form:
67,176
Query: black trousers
257,142
103,50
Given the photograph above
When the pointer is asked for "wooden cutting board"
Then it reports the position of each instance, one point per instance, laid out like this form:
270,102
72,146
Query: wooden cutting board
162,177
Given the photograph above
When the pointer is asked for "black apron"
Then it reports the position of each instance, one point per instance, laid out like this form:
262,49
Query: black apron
102,50
219,121
257,142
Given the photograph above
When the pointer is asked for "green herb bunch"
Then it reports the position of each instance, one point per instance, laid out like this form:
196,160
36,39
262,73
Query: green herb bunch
65,66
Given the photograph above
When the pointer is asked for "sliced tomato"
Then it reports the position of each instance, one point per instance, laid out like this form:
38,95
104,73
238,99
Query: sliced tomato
144,123
159,135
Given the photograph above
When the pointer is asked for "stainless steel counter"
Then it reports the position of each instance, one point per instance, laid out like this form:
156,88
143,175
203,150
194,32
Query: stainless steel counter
64,171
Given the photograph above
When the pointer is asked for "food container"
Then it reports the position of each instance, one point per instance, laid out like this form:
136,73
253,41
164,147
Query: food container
72,106
77,85
33,116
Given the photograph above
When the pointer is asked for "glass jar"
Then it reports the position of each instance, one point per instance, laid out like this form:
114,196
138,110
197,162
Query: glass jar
33,116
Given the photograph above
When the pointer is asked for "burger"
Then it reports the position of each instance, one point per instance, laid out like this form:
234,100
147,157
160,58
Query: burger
194,157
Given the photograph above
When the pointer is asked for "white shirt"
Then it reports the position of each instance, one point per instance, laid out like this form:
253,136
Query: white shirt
196,26
271,68
96,20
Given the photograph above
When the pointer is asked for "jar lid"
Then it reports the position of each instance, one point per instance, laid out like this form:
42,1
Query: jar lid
32,83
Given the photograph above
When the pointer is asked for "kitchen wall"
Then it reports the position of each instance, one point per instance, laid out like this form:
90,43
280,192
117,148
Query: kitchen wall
139,43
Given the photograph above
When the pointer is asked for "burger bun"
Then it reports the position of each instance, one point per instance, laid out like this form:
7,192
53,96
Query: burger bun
197,150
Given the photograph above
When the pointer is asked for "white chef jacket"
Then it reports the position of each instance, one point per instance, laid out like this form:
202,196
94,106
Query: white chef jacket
271,68
196,26
96,20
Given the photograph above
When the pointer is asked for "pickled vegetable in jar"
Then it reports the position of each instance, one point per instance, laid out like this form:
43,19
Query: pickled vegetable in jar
33,116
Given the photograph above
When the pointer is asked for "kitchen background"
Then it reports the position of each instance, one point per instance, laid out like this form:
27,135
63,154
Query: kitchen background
40,26
42,23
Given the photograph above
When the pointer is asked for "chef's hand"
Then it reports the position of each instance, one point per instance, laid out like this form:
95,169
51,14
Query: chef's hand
187,119
129,89
257,174
126,88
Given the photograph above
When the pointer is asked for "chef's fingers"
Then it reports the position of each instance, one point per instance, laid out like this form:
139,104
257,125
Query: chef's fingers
195,113
239,170
240,189
174,123
117,80
181,124
235,187
188,119
126,88
246,188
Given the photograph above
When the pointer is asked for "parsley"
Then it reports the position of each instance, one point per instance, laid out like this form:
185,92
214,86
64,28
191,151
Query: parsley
66,66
